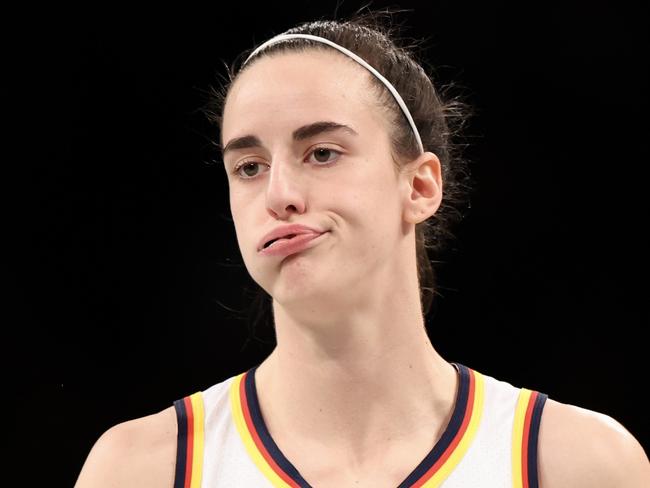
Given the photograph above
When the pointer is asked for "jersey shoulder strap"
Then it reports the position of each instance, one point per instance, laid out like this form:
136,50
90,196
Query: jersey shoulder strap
525,433
189,441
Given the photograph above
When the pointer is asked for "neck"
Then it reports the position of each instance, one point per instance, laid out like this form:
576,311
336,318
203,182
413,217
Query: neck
366,385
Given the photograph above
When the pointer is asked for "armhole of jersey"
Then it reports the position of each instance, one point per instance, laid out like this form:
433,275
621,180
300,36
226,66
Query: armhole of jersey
189,441
525,437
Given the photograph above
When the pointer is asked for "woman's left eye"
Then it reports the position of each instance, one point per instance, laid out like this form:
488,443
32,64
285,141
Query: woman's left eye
323,152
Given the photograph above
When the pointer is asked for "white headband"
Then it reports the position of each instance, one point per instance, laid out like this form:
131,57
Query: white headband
397,96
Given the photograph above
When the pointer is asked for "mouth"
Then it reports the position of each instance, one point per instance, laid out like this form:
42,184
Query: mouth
291,244
287,237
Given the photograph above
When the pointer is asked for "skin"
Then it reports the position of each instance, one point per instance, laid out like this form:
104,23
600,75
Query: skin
354,376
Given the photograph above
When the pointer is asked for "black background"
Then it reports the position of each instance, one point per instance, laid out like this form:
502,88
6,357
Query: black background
127,256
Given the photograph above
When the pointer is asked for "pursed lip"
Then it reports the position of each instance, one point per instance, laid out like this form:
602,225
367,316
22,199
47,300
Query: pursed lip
285,230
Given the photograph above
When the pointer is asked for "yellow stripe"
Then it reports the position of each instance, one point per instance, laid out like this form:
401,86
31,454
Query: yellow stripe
477,412
518,436
197,454
247,438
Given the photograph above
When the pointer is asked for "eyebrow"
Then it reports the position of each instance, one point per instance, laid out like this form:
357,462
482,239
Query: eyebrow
300,134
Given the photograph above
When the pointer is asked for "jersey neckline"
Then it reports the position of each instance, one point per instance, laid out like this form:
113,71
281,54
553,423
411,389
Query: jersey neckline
434,467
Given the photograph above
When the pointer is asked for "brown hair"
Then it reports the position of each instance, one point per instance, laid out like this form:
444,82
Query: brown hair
437,118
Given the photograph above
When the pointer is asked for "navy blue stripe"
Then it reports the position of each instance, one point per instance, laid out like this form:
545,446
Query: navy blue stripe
460,407
181,444
533,439
263,433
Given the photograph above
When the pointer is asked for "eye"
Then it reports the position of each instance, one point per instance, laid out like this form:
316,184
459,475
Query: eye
321,154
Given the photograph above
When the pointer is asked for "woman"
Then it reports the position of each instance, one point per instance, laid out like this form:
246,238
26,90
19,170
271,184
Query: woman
337,149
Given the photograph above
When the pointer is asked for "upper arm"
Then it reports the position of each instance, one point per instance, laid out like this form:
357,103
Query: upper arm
627,463
137,453
583,448
109,463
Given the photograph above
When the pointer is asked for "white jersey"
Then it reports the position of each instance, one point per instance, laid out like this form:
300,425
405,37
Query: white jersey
489,442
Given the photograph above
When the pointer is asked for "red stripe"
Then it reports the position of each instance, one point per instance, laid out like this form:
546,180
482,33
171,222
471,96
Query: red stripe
524,447
459,435
256,438
190,441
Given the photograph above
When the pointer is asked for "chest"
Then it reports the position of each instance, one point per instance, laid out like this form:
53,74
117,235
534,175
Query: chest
386,467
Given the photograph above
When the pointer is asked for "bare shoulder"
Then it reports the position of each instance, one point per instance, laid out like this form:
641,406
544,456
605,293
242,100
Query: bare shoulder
136,453
580,448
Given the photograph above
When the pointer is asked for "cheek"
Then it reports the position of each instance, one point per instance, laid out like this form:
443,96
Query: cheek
241,221
241,205
375,193
372,211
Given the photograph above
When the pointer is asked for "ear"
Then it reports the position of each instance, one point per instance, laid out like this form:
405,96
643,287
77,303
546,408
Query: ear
423,195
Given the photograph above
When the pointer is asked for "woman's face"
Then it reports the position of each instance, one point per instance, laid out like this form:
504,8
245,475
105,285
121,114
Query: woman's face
348,186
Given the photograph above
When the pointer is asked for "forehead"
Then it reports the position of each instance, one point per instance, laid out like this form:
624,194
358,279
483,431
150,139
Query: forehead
286,90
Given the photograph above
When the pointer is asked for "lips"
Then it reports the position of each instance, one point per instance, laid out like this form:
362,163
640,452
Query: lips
286,232
285,247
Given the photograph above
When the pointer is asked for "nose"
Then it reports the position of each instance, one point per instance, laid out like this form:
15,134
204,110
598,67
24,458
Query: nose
284,192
